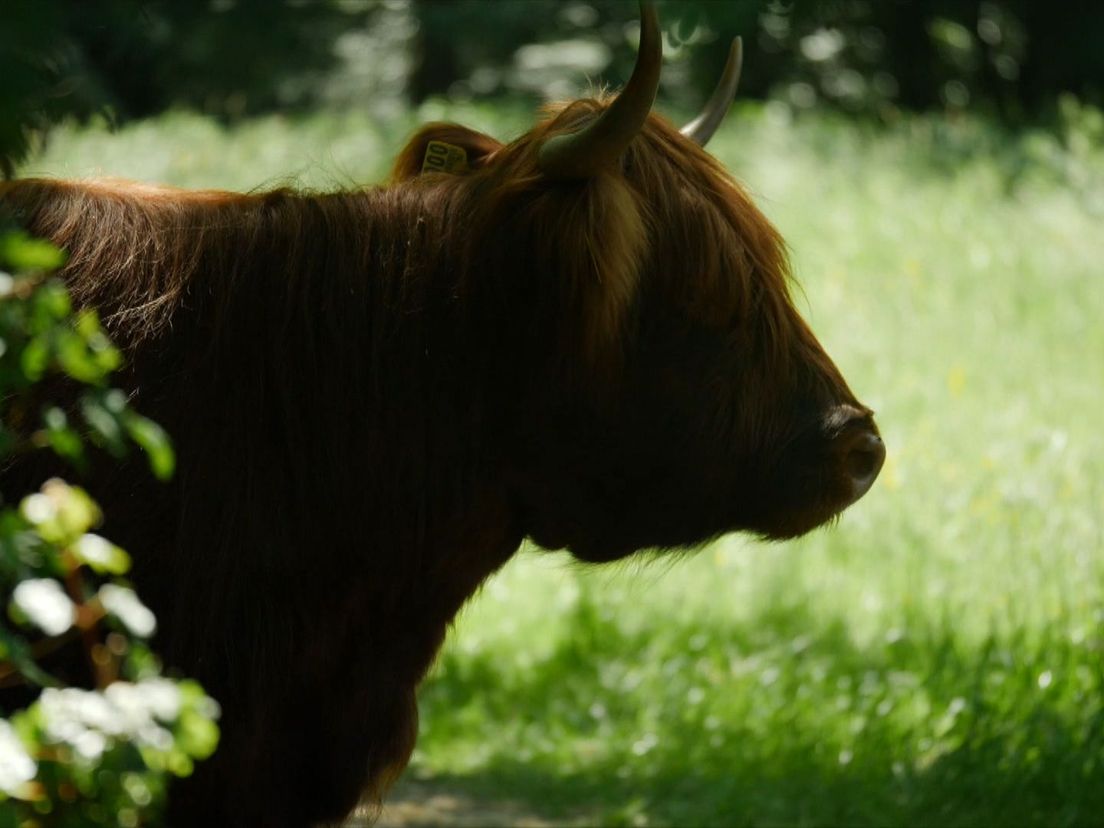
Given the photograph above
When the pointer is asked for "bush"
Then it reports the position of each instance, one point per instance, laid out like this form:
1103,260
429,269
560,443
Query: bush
97,747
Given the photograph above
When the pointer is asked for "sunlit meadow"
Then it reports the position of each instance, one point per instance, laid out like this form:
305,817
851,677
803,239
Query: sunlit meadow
937,656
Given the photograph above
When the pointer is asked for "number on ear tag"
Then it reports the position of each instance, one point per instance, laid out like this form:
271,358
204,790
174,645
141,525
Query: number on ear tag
446,158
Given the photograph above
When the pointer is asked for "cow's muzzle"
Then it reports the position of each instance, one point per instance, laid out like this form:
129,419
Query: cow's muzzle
857,448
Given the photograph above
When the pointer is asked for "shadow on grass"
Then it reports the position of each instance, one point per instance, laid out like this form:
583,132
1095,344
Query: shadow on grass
923,728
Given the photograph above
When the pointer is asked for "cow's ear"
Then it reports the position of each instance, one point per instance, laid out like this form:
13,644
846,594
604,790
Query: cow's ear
443,148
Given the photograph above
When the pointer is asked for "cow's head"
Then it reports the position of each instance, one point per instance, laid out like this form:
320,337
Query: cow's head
660,388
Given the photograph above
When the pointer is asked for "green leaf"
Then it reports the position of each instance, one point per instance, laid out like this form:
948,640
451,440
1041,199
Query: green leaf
88,327
87,324
51,305
104,423
19,653
22,252
35,358
63,439
77,360
154,441
196,734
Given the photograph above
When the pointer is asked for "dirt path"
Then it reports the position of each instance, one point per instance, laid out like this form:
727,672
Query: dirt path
425,805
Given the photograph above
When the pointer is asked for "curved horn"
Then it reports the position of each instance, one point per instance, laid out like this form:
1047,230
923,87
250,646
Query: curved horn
701,129
598,146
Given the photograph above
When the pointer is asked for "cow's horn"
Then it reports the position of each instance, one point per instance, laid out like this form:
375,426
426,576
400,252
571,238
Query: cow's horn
701,129
598,146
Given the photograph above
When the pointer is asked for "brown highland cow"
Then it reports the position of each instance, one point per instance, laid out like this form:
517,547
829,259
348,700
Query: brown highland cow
583,337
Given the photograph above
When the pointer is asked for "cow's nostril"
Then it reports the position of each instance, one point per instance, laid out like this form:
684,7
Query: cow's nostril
864,458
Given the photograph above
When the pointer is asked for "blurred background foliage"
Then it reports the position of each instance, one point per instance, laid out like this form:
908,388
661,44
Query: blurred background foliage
232,58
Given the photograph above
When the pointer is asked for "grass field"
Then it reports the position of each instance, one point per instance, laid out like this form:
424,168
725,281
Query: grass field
937,657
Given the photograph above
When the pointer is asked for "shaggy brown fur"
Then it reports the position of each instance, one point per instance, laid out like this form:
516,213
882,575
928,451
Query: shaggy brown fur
376,394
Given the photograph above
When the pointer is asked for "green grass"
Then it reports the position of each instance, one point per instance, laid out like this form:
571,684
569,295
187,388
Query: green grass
937,657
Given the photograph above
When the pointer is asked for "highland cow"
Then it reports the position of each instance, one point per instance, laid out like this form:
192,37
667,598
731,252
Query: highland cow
583,337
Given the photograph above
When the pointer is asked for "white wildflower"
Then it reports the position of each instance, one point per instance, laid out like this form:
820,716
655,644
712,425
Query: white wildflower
140,703
101,554
37,508
125,605
91,721
16,765
47,606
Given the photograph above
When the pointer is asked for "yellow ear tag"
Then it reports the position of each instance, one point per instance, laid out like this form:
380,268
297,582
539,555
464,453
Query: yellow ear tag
446,158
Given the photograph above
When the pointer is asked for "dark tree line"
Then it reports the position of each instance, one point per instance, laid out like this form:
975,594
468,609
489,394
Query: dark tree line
133,58
1011,57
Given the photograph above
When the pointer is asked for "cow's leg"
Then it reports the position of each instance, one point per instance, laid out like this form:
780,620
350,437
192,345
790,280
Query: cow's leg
305,758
